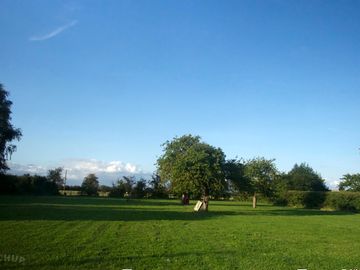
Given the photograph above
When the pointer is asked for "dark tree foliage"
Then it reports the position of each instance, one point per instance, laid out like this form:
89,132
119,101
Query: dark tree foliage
27,185
158,187
75,187
8,132
55,176
123,186
90,185
350,182
236,177
303,177
139,188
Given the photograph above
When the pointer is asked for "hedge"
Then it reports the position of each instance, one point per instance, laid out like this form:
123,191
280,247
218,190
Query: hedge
343,200
335,200
26,185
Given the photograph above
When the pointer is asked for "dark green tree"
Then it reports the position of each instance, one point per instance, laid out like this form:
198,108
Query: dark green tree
262,174
303,177
123,186
235,175
139,188
8,132
55,176
350,182
158,187
192,166
90,185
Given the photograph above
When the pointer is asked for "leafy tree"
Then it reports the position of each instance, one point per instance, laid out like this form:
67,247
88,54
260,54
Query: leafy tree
280,189
350,182
139,188
55,176
192,166
90,185
8,133
235,176
303,177
122,186
158,187
262,173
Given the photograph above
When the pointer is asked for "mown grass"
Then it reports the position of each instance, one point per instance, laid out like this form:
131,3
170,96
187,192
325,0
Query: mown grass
105,233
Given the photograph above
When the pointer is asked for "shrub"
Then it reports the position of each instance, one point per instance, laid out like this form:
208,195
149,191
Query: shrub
27,184
307,199
343,200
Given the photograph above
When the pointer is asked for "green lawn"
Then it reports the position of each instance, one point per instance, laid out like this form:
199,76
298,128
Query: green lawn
105,233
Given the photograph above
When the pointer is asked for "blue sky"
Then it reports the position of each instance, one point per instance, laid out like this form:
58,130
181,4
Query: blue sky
98,86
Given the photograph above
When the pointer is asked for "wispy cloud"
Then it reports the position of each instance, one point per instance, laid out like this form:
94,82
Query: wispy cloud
54,33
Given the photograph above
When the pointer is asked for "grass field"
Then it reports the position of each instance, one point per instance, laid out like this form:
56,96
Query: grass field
105,233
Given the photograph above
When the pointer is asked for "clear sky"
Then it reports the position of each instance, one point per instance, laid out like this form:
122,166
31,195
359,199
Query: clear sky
98,86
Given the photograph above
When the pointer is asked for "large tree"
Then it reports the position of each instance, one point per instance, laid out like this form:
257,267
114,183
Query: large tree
192,165
55,176
262,174
303,177
350,182
8,132
90,185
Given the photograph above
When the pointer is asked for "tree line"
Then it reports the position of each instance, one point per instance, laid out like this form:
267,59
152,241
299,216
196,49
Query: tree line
187,165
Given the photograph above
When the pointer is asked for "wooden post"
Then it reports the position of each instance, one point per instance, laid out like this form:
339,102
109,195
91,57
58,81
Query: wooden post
254,200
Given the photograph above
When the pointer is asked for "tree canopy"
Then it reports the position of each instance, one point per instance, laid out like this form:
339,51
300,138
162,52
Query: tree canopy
262,174
90,185
55,176
192,165
350,182
303,177
235,175
8,132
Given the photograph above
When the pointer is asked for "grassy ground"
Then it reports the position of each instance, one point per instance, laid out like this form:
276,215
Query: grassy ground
105,233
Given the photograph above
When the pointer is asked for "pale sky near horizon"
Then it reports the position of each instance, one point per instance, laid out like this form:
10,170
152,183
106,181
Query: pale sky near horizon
98,86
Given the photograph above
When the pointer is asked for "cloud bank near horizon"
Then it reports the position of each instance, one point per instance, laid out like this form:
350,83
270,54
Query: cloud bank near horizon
77,169
54,33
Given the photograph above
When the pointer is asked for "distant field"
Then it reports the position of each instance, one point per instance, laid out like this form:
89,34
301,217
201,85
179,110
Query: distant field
107,233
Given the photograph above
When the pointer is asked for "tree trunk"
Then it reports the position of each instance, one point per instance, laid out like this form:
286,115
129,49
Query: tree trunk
254,200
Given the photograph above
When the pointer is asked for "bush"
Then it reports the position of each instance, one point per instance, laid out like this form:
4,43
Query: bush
343,200
27,184
335,200
307,199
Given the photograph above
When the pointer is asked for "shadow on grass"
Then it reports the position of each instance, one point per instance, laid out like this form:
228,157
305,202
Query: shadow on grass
66,212
115,209
72,213
85,200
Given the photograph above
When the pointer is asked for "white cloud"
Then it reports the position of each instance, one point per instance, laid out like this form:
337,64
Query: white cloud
30,169
77,169
54,33
333,185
